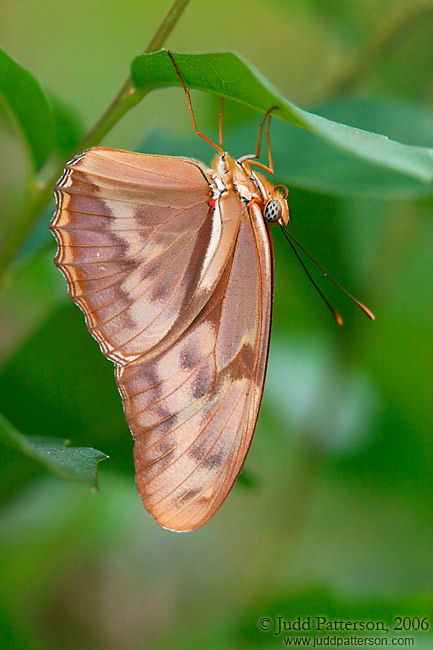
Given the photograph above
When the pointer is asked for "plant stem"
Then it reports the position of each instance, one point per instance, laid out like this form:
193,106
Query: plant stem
40,193
166,27
128,96
386,39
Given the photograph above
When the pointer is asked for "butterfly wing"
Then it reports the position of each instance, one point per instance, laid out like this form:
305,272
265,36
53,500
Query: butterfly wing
193,409
175,281
141,246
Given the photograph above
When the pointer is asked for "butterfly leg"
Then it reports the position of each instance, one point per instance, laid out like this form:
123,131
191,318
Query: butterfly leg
254,158
221,123
191,112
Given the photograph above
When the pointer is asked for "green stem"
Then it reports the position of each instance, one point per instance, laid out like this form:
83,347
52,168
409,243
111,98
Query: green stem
166,27
128,96
40,192
386,39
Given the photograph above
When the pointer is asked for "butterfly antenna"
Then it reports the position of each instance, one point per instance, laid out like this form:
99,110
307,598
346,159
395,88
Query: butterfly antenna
336,315
365,309
333,311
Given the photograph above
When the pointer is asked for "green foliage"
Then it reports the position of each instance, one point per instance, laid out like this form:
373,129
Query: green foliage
74,464
337,520
29,107
228,75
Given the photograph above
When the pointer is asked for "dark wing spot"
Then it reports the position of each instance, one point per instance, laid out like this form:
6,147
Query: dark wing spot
196,452
215,459
202,383
165,446
209,461
248,360
159,292
189,494
189,357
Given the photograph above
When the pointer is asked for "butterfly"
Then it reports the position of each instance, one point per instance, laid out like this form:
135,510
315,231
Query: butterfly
171,262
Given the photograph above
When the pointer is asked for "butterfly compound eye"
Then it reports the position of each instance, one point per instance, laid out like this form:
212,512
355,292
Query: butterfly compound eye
273,210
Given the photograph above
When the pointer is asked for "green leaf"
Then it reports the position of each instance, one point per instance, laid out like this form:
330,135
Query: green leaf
29,106
71,463
228,75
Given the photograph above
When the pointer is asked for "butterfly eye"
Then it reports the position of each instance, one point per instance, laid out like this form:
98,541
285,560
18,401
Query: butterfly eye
273,210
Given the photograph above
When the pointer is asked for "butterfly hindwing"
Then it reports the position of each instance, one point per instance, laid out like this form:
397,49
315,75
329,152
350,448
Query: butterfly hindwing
193,410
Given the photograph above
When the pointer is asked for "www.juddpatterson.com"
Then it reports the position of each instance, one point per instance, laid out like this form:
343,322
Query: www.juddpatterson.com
348,642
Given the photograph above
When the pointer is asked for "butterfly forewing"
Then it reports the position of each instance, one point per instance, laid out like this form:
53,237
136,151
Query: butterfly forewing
140,246
193,409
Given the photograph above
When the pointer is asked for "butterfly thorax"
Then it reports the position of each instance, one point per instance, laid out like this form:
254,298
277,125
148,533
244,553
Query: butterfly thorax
252,187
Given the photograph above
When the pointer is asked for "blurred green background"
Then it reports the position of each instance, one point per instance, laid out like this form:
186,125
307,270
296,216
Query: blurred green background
333,513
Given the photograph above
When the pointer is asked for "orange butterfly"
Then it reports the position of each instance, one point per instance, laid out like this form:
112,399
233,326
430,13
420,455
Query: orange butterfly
172,264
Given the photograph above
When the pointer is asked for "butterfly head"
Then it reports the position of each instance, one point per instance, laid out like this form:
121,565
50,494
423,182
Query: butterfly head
276,208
